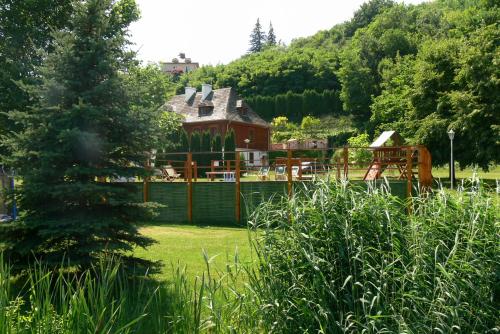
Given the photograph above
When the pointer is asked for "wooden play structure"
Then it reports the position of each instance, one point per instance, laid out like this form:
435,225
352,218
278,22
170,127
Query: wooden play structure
389,152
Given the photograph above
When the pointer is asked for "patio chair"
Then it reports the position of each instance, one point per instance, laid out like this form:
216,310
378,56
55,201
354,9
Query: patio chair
280,173
304,175
169,173
263,173
229,177
295,172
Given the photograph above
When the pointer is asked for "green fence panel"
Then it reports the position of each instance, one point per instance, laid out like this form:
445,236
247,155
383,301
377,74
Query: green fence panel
174,196
214,202
254,193
396,187
139,192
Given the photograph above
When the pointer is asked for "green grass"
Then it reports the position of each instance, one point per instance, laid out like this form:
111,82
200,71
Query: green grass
185,244
443,172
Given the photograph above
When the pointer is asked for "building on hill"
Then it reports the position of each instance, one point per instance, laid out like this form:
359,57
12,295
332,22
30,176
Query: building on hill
175,67
219,111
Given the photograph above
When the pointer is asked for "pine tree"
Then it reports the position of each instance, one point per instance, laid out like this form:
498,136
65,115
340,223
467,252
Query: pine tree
217,147
206,147
195,142
229,145
271,37
257,38
184,141
80,133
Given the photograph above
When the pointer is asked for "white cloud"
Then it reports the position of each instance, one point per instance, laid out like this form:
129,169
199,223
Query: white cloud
217,31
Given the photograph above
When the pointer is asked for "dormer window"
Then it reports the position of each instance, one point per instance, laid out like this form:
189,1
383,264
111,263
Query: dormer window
205,108
241,108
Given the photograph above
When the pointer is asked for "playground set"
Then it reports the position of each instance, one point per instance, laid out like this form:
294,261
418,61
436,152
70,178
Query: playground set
226,189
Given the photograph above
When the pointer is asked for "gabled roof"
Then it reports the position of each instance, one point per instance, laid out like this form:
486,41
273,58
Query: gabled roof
224,103
385,136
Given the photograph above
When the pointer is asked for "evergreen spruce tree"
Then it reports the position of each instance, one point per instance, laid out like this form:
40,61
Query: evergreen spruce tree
206,142
80,133
217,147
195,143
183,145
271,37
257,38
229,145
184,141
206,148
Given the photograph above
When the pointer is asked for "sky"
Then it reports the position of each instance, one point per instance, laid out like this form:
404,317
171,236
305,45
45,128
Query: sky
217,31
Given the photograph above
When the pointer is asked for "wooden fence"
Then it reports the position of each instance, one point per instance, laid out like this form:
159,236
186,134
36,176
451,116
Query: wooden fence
205,200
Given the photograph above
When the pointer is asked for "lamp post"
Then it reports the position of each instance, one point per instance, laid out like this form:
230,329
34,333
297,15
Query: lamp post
247,155
451,135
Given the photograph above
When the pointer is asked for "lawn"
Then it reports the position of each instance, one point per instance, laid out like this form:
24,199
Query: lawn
443,172
184,244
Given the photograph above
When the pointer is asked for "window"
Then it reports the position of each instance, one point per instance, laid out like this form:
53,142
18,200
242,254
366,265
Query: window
241,108
205,108
250,158
203,111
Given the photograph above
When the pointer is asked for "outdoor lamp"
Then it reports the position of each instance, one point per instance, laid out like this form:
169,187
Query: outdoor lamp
451,135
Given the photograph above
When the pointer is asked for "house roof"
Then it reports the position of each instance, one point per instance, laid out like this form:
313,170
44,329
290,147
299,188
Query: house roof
224,101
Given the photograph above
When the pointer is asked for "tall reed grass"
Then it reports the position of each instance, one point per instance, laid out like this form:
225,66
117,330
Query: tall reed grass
335,259
106,299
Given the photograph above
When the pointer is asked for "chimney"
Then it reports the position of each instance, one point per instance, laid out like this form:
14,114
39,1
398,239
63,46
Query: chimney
188,93
206,89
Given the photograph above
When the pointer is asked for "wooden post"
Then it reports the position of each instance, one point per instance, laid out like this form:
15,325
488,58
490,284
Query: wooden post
337,166
237,210
190,188
346,162
409,171
424,168
300,169
289,171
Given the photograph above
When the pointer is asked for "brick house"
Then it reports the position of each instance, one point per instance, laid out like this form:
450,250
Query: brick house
220,110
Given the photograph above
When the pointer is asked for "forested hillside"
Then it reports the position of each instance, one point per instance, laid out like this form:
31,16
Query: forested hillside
419,70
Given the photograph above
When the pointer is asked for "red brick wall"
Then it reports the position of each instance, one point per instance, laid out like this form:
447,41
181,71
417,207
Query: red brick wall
259,136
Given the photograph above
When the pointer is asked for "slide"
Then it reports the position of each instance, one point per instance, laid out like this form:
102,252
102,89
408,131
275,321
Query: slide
374,172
